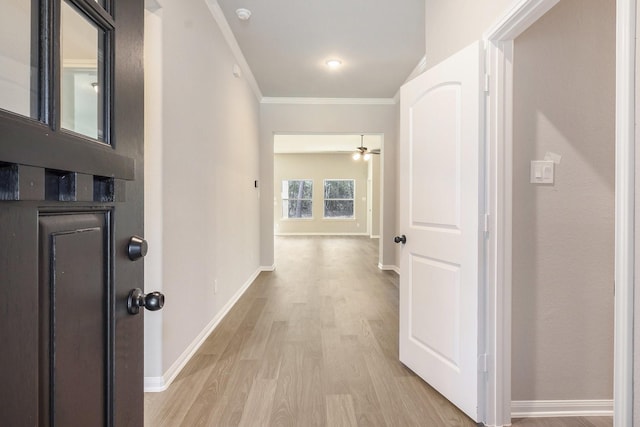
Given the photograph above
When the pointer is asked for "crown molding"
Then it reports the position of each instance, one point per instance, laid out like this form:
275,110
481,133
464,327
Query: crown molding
420,68
218,16
328,101
522,14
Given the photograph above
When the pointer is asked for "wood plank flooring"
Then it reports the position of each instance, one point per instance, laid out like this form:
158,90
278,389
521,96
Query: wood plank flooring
564,422
314,343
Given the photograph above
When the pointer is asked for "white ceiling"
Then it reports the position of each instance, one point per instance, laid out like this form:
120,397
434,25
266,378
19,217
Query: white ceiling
286,44
323,143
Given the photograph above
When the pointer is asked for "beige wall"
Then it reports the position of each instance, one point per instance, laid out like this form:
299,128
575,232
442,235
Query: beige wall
323,118
318,167
453,24
636,350
374,176
563,234
203,163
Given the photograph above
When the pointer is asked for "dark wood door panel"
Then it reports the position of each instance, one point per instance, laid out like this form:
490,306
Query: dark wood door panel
41,147
76,318
57,364
18,315
79,333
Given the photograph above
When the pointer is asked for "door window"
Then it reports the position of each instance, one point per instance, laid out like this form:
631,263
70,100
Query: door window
18,63
55,65
82,74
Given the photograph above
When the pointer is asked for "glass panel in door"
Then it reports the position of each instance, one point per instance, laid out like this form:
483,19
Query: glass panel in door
82,76
19,57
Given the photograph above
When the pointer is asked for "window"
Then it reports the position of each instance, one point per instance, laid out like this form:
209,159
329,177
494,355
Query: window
339,196
296,198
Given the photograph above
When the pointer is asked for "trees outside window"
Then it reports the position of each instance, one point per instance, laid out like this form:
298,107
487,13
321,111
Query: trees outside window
339,197
297,195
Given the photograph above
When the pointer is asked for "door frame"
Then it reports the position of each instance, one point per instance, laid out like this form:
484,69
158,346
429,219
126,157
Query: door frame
499,45
370,198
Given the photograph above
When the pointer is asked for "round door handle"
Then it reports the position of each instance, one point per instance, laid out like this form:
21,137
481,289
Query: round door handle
137,248
152,301
400,239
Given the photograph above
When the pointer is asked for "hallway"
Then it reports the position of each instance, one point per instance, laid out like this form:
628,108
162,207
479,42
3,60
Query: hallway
312,344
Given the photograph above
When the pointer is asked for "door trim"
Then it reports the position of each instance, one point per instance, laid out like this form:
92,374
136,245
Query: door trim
499,44
624,215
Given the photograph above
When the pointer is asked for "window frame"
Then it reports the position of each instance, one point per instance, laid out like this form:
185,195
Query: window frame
44,120
44,143
101,17
287,199
325,199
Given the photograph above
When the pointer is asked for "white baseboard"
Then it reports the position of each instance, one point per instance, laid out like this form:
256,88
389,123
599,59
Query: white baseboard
268,267
561,408
158,384
375,237
321,234
390,268
155,384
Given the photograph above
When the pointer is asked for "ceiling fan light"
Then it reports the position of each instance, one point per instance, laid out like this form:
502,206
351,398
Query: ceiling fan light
367,156
356,156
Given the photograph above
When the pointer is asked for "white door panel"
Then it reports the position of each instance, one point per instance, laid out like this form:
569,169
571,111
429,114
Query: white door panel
432,163
441,139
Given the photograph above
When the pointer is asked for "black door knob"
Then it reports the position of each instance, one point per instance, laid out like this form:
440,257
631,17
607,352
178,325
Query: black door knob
137,248
400,239
152,301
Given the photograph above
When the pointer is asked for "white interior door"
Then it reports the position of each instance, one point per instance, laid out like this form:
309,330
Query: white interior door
440,207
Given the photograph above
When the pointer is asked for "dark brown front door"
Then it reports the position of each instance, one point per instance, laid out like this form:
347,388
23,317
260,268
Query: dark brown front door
71,197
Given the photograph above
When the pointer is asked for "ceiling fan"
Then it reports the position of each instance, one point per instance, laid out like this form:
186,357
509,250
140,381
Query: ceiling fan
363,151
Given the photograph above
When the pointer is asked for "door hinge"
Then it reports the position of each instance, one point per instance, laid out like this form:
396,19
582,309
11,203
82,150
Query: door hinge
487,225
487,81
483,364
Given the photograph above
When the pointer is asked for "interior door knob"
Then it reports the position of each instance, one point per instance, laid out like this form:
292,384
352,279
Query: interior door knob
400,239
152,301
137,248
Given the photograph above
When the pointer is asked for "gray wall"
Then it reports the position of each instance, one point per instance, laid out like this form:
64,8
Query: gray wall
318,167
636,350
202,167
563,234
453,24
323,119
376,186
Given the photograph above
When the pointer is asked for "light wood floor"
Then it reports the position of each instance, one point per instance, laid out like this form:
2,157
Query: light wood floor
564,422
314,343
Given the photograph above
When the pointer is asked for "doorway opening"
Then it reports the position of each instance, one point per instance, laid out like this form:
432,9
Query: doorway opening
500,41
325,186
563,222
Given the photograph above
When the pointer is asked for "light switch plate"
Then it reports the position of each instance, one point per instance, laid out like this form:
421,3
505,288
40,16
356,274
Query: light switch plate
542,171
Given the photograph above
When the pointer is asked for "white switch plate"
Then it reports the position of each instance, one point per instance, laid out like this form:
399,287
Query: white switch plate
542,171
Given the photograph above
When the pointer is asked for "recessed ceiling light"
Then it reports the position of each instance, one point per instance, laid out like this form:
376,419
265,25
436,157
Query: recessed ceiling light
334,63
243,14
